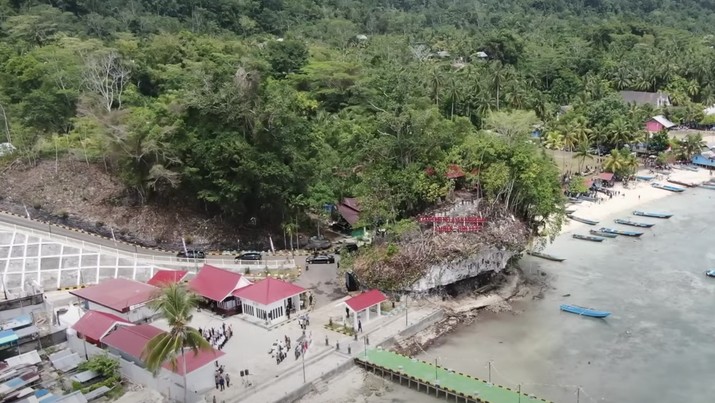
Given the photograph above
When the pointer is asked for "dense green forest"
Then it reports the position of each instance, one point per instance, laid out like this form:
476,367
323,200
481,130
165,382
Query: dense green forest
266,108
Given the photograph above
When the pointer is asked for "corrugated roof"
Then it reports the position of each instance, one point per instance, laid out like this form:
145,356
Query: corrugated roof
349,214
663,121
119,294
133,340
606,176
96,324
217,284
163,277
7,336
365,300
268,290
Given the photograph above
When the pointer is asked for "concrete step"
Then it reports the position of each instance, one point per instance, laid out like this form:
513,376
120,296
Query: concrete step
320,386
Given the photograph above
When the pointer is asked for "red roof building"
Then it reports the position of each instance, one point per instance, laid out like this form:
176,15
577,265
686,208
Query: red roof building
119,296
164,277
94,325
129,343
349,209
361,304
270,299
217,285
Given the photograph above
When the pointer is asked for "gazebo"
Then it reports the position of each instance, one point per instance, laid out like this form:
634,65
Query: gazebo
216,286
269,299
364,302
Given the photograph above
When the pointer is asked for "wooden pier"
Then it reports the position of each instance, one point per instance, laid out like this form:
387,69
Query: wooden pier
437,381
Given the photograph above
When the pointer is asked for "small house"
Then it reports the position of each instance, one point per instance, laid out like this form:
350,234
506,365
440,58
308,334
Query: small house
270,299
658,123
216,287
94,325
122,297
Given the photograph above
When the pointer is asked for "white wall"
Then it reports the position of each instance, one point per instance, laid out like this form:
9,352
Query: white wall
134,316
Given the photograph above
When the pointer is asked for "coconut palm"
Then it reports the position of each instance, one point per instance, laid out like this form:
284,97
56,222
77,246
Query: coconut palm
582,154
692,145
175,304
614,162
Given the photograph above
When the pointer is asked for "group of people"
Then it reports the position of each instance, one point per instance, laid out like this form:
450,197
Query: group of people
217,337
223,380
280,349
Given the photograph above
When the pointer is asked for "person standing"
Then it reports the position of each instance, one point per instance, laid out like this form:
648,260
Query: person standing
216,378
222,382
228,380
359,326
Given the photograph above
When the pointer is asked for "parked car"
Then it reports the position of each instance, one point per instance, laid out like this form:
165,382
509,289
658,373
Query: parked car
248,256
346,248
320,259
191,254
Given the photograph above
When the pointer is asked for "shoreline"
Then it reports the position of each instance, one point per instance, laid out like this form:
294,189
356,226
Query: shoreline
638,193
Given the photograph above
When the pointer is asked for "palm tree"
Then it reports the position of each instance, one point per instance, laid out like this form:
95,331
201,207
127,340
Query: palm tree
618,130
582,153
614,162
175,303
692,145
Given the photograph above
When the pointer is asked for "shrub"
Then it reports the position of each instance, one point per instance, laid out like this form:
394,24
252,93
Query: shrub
36,205
99,224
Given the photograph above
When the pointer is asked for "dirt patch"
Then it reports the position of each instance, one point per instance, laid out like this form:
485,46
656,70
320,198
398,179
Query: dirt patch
88,197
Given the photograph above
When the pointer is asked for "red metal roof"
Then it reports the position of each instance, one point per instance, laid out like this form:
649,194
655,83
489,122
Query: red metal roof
133,340
352,203
349,214
268,290
606,176
365,300
95,324
454,171
162,277
118,294
217,284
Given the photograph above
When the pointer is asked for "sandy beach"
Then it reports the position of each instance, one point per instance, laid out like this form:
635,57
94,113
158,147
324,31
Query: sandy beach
637,193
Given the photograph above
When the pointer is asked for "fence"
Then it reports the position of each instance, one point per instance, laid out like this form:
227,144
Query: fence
56,261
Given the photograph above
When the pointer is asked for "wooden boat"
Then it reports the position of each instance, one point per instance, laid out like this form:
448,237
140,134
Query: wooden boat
570,211
583,220
652,214
667,187
579,310
620,232
686,184
588,238
710,273
707,186
545,256
645,177
633,223
602,234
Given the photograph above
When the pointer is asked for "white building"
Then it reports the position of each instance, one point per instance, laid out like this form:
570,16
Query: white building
270,299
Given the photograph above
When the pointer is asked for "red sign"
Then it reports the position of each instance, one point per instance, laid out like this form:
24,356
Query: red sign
453,220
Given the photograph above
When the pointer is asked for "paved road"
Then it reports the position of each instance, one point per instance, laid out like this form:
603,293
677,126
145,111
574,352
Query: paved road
104,242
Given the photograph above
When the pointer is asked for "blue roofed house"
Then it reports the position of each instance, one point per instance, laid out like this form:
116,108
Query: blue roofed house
706,158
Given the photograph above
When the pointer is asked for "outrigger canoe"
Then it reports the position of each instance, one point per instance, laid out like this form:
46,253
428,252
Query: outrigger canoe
645,177
579,310
633,223
545,256
620,232
588,238
681,183
583,220
652,214
602,234
667,187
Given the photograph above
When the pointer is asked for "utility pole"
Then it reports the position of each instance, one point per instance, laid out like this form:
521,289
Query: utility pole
407,308
436,377
302,354
578,394
519,393
490,372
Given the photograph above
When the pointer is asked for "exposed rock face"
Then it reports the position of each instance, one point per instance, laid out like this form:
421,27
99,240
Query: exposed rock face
491,259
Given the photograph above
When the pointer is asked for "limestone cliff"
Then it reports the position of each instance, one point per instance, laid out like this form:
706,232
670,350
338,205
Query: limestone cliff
452,271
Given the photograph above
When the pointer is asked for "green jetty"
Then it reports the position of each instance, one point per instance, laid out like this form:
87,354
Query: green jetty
452,382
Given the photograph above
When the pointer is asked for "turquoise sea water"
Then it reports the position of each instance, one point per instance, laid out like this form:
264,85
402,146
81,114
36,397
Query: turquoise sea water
657,346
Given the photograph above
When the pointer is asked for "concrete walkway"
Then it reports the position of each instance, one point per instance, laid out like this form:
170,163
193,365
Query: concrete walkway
323,362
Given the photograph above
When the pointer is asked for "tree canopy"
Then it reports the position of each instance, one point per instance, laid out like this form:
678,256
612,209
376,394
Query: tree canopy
261,109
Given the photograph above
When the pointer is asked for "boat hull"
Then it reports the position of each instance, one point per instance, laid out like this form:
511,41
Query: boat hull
588,238
651,214
545,256
634,234
710,273
602,234
579,310
582,220
711,187
668,187
634,224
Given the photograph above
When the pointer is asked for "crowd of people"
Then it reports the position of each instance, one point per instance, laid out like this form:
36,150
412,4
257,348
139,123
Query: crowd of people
217,336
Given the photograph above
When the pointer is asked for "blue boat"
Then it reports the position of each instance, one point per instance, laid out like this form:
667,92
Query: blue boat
652,214
710,273
645,177
602,234
583,220
620,232
633,223
708,186
669,188
579,310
